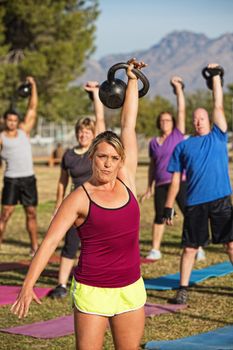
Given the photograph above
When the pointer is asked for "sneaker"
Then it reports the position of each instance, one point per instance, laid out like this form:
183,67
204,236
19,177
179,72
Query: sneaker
154,255
181,296
58,292
200,254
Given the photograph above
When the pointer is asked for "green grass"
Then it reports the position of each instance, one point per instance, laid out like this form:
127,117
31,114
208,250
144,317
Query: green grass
210,301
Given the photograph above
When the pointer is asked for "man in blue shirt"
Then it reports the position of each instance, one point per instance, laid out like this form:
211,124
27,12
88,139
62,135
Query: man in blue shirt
205,160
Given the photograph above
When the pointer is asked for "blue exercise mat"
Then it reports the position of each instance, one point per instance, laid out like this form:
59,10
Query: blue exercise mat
172,281
220,339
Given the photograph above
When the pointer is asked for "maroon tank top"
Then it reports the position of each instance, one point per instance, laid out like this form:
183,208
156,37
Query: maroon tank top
110,255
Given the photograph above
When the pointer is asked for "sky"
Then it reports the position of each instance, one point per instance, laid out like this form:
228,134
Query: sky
128,25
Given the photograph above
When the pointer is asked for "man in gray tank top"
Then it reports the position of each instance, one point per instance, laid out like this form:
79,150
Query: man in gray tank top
19,180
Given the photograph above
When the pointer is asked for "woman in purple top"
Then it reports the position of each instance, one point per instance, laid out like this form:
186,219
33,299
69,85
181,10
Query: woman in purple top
106,214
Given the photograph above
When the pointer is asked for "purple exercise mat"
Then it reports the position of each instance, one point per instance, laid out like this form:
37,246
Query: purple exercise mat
9,266
157,309
8,294
57,327
61,326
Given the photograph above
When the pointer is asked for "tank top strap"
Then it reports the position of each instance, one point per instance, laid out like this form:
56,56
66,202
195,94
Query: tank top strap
86,193
123,184
128,190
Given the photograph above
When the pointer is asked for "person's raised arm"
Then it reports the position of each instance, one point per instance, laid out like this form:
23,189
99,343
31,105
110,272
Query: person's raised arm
177,83
93,87
31,114
218,109
128,122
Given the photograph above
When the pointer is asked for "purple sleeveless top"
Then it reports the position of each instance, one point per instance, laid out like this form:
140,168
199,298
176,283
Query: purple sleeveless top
110,256
161,155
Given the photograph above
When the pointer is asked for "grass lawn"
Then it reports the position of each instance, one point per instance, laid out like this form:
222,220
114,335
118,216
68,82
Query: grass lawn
211,302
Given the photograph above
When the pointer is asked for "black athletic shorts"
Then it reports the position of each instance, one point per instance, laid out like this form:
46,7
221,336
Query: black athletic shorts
20,190
216,215
160,197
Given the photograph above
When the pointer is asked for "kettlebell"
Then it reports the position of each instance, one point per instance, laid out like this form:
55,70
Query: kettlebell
112,91
174,88
209,73
90,95
24,90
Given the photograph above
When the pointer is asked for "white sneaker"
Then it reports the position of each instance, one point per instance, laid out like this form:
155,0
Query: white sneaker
200,254
154,255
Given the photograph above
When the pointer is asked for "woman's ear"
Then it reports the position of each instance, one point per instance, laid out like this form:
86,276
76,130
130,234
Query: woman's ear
121,163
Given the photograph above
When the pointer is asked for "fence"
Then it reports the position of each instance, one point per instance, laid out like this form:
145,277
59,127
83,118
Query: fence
48,135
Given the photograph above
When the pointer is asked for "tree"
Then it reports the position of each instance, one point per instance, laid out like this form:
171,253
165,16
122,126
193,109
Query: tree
49,39
204,99
228,106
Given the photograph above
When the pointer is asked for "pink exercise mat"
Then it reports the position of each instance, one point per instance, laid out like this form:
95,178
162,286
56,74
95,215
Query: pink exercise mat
61,326
8,294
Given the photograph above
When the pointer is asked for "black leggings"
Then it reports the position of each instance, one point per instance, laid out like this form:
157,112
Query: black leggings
71,244
160,199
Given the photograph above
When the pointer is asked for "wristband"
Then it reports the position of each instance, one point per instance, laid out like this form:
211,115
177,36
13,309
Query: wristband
168,213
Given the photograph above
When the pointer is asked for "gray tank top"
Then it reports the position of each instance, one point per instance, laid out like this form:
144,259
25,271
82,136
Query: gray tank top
17,154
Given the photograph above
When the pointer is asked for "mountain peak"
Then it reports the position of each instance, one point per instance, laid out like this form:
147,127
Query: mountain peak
179,53
179,38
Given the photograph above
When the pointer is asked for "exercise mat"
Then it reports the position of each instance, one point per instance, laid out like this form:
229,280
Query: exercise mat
61,326
8,294
219,339
172,281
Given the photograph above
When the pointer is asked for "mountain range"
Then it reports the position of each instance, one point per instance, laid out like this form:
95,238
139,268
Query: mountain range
181,53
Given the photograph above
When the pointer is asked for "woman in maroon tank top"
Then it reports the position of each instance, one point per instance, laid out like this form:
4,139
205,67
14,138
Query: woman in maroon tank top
111,194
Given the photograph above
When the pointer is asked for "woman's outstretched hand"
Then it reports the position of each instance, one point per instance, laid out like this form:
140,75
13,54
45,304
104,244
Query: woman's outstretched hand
23,301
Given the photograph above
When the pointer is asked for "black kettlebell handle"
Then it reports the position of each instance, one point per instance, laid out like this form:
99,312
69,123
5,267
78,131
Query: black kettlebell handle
111,76
174,88
90,95
208,73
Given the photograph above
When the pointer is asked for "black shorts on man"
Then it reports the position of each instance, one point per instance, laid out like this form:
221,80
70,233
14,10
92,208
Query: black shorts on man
20,190
216,215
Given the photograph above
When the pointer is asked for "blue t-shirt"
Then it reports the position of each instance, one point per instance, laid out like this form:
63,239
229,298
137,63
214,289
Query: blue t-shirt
205,161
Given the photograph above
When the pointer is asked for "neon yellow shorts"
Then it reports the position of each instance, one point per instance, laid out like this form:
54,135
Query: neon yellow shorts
108,301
